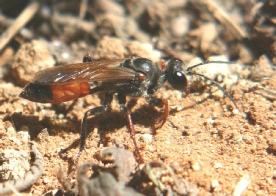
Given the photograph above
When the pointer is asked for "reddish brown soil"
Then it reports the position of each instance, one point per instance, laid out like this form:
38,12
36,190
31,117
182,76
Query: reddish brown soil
215,147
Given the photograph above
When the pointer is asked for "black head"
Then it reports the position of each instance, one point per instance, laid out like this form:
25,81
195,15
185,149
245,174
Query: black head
176,74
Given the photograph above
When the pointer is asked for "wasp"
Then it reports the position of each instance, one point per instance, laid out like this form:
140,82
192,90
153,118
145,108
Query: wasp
134,77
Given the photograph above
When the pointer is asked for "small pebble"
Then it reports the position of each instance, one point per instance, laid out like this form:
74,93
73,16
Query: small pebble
196,166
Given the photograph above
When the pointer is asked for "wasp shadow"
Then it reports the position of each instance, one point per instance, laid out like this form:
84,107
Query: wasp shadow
143,116
112,120
32,122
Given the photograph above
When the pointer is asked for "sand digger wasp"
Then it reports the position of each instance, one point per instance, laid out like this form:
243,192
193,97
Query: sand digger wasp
134,77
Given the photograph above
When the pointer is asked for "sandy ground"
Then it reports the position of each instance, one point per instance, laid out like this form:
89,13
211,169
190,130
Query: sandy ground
219,151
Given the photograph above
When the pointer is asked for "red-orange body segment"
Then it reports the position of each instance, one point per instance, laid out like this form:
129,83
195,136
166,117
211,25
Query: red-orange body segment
62,93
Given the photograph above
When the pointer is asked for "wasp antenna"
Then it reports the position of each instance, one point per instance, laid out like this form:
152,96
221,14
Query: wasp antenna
208,62
217,84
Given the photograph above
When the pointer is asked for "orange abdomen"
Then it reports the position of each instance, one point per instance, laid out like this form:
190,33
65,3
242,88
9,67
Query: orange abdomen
62,93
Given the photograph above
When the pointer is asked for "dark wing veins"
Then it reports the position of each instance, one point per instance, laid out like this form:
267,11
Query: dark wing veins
104,70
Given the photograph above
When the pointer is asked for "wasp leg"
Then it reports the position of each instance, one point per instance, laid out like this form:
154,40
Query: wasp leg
161,103
92,112
126,111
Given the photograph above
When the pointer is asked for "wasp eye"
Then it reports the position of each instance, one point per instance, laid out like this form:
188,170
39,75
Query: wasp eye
175,74
178,81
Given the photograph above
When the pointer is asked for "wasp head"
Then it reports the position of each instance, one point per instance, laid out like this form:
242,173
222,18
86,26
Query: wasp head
176,74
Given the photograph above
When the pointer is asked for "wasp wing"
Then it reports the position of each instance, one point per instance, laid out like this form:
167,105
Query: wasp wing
104,70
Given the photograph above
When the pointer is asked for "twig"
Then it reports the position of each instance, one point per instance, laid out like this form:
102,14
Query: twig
21,21
29,178
222,17
242,185
4,21
71,21
83,9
